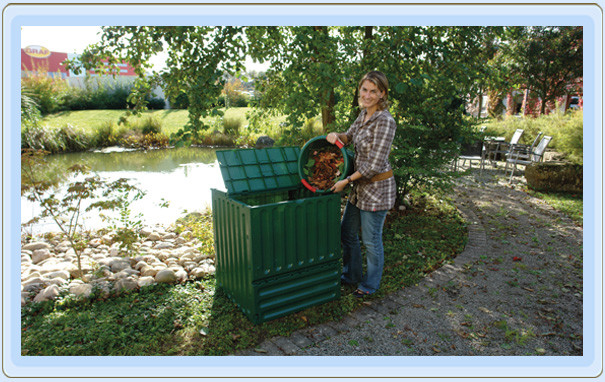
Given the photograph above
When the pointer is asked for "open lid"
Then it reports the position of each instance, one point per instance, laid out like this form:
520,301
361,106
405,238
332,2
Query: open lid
258,170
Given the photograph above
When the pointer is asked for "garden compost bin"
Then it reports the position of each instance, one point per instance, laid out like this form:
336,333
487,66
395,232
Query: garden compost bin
277,243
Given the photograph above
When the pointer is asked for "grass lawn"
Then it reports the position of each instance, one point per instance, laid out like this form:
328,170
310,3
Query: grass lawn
171,120
196,318
571,205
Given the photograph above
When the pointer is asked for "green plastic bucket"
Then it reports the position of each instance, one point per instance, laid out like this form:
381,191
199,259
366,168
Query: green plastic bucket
317,143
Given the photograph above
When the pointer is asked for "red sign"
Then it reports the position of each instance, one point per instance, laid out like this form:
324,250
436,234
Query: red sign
51,63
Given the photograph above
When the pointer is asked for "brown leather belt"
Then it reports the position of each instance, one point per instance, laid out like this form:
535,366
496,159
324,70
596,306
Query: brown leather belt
376,178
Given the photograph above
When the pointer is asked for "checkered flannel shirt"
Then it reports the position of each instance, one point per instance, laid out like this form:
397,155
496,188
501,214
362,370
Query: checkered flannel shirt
372,141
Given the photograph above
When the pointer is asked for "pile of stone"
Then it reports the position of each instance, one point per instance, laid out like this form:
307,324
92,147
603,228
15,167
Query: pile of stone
50,266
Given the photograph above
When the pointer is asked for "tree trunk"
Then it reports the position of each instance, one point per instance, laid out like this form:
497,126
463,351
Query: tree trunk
480,106
327,113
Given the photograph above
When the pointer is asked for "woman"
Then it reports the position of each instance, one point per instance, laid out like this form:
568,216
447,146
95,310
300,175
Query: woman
374,189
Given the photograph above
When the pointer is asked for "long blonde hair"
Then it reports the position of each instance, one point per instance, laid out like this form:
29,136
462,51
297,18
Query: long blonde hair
382,83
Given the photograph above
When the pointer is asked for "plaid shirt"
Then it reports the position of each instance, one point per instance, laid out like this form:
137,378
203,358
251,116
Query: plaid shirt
372,141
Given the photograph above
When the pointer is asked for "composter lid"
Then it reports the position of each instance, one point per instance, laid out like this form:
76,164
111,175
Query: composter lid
258,170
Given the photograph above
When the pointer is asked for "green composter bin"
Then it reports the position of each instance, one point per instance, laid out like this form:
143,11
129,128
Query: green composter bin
277,243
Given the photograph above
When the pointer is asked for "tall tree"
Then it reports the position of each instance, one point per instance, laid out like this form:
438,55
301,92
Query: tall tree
314,71
549,59
306,67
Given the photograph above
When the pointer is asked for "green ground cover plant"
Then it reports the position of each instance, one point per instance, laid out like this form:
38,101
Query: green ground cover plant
196,318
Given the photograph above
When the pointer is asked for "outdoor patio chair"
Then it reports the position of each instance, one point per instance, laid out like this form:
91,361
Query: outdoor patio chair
471,152
502,148
526,156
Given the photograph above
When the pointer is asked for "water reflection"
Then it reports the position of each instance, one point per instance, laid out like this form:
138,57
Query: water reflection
182,177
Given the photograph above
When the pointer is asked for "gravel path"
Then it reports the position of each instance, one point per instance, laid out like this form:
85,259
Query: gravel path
515,290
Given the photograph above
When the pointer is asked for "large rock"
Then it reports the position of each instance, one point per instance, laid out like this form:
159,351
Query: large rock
263,142
154,236
166,276
48,293
81,289
57,281
126,284
164,245
149,271
36,245
168,236
118,266
202,271
146,281
41,254
62,274
555,176
181,275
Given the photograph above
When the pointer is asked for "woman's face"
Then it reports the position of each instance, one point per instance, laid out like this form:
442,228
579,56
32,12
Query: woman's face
369,95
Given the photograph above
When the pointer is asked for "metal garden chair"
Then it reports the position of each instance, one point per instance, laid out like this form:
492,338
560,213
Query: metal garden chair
526,156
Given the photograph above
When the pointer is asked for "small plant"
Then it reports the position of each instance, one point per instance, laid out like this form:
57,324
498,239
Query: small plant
67,211
231,126
127,227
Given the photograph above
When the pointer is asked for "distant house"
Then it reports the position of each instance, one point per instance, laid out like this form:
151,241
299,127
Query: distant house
523,102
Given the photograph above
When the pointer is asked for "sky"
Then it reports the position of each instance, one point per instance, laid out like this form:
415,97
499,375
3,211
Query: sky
73,39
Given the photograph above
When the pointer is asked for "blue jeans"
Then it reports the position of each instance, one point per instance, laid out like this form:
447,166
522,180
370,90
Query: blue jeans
370,223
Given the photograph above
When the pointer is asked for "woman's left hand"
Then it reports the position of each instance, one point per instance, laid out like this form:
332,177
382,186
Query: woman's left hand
340,185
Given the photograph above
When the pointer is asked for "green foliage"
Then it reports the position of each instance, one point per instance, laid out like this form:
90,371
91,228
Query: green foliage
126,227
48,92
106,134
66,138
71,139
97,95
231,126
30,114
548,59
148,125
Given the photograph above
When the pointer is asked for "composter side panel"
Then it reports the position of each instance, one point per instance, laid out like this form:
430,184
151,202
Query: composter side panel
231,221
294,235
296,291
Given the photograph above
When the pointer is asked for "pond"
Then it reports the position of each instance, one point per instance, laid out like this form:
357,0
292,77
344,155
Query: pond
180,178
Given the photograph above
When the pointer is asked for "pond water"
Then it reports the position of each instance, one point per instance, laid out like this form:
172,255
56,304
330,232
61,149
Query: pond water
182,177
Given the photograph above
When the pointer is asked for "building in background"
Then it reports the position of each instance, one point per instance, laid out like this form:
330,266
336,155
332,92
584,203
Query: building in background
38,60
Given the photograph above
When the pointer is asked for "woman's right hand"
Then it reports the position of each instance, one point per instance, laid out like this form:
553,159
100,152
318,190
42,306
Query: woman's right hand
332,138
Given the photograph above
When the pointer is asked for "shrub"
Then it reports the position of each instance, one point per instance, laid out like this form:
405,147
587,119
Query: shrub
156,103
149,125
48,92
105,135
38,137
231,126
70,139
180,102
